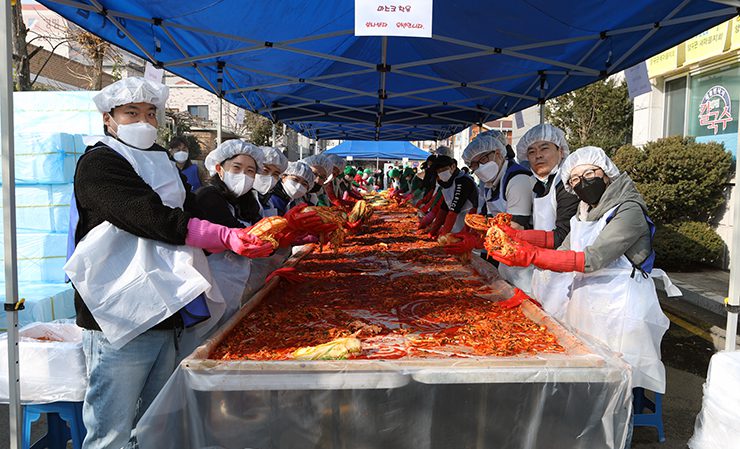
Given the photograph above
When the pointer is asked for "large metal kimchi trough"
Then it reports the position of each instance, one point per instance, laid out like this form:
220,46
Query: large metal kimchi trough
442,364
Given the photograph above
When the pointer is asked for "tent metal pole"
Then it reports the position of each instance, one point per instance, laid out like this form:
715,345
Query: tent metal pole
11,263
733,298
274,133
219,123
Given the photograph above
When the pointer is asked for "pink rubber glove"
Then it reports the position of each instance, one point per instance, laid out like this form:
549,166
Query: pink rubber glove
215,238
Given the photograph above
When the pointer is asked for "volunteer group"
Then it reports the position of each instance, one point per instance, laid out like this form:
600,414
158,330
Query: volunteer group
159,260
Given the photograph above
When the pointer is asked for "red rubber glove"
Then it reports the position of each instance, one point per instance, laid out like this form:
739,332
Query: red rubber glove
450,220
215,238
310,221
439,220
426,220
425,199
518,298
546,259
468,242
354,226
290,274
543,239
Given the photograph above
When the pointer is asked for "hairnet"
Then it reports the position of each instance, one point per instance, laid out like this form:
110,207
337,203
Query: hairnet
443,150
131,90
337,160
301,170
545,132
319,160
587,156
232,148
273,156
485,143
350,170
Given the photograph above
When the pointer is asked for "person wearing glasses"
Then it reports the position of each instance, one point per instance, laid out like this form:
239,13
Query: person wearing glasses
610,256
545,148
506,187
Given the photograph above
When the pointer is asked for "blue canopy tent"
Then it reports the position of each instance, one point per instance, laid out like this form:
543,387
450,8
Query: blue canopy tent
298,62
386,150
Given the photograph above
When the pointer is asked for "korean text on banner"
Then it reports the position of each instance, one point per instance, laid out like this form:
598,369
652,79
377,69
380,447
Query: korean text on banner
410,18
707,44
663,62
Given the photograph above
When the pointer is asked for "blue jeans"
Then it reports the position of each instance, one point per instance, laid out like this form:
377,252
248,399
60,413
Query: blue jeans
122,384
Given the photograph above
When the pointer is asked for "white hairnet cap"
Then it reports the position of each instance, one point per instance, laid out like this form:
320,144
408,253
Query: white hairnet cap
485,143
319,160
301,170
232,148
273,156
131,90
337,160
545,132
587,156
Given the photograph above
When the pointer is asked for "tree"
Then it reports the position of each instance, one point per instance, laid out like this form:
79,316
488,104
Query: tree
21,58
599,114
258,128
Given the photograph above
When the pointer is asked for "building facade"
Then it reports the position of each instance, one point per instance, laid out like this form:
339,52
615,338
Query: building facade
696,92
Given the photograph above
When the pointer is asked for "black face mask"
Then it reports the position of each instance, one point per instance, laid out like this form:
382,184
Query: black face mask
590,190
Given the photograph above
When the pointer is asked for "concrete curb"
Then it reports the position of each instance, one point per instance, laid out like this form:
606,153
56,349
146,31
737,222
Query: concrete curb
694,295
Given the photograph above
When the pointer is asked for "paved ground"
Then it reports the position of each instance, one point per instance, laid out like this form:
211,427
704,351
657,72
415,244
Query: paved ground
695,333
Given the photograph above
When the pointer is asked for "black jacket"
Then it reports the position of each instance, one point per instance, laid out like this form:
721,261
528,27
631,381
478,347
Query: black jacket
107,188
213,201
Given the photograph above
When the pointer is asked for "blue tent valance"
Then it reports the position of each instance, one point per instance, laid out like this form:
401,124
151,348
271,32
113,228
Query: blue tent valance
298,61
386,150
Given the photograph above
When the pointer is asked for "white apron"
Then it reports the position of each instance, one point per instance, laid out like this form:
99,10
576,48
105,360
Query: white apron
448,194
114,270
619,310
520,277
265,211
548,287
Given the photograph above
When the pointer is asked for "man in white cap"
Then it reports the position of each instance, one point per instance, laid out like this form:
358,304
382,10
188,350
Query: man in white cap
131,199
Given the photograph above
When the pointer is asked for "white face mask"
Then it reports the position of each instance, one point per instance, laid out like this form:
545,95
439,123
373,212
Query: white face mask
329,179
487,172
294,189
239,184
264,183
180,156
138,135
445,175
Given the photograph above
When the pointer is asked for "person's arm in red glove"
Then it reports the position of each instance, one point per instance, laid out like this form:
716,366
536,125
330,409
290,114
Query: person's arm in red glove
449,222
468,242
216,239
542,239
546,259
439,221
425,198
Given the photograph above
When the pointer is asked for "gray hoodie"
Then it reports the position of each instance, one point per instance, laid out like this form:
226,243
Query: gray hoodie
627,233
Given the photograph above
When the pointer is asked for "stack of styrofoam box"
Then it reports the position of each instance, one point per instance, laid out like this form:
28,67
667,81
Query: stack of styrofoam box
48,142
716,425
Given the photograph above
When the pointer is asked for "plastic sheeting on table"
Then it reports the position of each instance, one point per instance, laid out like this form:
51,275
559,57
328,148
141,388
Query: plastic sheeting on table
716,425
580,399
52,370
44,302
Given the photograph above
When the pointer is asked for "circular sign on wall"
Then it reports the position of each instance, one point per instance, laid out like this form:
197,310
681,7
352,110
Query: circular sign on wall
715,109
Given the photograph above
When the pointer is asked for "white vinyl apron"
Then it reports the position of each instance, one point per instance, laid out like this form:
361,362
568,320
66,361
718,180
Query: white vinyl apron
520,277
265,211
619,309
549,288
129,283
448,194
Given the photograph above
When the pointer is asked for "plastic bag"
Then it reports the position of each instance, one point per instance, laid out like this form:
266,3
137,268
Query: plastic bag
716,425
52,363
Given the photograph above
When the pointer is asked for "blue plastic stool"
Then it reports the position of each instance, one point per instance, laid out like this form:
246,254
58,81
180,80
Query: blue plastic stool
64,423
640,403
